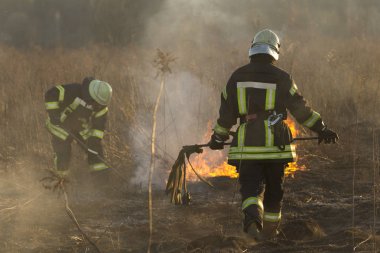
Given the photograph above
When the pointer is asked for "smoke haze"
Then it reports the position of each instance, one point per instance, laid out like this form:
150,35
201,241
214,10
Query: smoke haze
331,48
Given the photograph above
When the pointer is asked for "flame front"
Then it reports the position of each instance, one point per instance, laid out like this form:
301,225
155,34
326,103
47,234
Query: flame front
293,167
212,163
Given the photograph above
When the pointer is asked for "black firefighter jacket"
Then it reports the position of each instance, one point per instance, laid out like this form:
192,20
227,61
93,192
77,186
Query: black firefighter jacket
68,110
253,93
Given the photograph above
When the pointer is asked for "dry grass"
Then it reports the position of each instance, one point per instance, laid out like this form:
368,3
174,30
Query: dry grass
340,82
342,85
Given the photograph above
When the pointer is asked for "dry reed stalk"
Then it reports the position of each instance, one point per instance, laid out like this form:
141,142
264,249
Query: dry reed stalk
162,64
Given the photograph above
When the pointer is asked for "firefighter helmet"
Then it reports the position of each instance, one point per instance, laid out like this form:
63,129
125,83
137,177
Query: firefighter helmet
265,42
100,91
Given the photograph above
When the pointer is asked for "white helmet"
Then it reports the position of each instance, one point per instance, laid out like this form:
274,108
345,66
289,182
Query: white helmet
100,91
265,42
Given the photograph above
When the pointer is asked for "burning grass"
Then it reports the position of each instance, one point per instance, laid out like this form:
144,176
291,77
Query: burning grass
213,163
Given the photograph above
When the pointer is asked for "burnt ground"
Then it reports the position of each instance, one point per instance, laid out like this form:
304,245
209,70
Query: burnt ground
317,213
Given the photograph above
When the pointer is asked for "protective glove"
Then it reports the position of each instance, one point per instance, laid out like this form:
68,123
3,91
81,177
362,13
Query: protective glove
328,136
55,119
217,141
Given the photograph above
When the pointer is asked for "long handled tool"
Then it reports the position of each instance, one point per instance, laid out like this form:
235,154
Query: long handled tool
177,184
304,138
84,147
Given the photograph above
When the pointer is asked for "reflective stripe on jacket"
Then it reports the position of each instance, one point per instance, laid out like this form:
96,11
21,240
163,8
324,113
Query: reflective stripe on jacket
261,88
67,109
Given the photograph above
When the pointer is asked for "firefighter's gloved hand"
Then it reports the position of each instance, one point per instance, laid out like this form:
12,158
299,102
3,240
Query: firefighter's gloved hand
55,119
217,141
327,136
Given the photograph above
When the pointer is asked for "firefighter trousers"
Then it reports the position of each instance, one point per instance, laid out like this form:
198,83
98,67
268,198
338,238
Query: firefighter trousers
62,152
261,188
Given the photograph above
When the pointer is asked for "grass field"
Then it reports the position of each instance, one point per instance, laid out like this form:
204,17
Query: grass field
336,71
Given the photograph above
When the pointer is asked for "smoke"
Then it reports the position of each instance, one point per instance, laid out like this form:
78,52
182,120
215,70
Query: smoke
185,109
210,40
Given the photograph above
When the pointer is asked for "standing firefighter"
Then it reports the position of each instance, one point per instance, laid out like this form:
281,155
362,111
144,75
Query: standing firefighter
79,110
260,95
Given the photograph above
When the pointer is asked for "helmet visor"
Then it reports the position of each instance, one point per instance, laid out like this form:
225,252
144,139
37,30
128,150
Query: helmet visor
263,49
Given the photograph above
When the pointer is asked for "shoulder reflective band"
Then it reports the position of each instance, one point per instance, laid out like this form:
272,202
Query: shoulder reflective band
220,130
98,166
224,93
61,92
56,130
101,112
312,120
241,135
269,138
51,105
270,97
293,89
257,85
272,217
252,201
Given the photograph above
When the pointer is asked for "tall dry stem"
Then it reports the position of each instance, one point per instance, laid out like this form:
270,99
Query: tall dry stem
161,62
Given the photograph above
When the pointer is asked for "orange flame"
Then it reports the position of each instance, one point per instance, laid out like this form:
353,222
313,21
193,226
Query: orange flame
293,167
213,163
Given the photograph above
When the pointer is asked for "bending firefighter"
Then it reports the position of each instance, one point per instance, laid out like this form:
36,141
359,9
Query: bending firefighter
78,110
260,95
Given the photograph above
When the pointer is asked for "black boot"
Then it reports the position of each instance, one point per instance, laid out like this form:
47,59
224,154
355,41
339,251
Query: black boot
270,230
252,221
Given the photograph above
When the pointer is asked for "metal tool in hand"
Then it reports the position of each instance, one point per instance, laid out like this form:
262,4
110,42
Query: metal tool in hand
84,146
274,118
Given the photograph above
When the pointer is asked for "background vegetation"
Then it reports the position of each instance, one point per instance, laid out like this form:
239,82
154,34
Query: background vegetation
331,48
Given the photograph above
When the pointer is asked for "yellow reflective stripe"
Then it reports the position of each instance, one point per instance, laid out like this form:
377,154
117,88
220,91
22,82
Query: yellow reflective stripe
270,99
293,89
272,217
98,166
73,106
221,130
97,133
263,156
269,138
256,85
241,135
261,149
51,105
242,103
252,201
85,134
312,120
101,112
61,92
224,93
77,101
56,130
